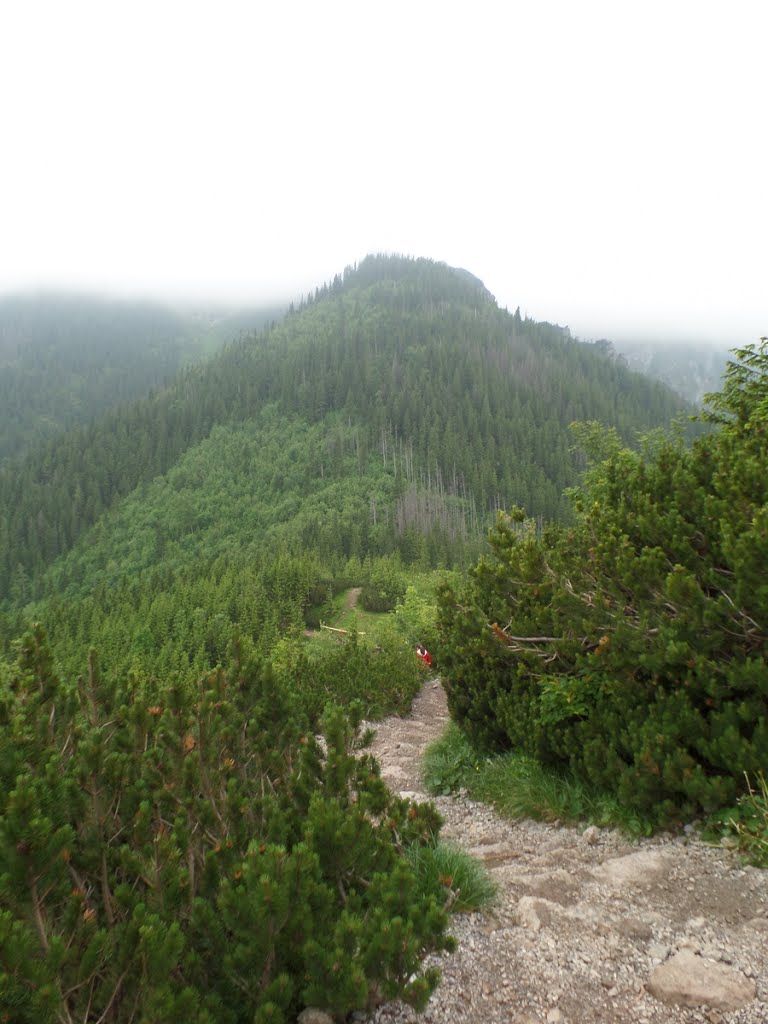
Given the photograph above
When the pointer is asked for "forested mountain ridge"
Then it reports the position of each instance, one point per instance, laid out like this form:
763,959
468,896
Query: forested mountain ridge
406,361
175,841
65,359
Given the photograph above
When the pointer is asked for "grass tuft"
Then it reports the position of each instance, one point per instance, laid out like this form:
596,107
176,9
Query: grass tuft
520,787
456,878
745,826
448,762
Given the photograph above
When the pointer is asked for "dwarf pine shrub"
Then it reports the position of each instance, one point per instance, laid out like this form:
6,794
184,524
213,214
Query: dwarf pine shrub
190,851
630,647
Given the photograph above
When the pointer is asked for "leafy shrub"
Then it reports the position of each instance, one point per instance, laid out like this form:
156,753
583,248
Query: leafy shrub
189,851
416,614
630,647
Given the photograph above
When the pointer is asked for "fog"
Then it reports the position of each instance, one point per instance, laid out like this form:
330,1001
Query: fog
596,164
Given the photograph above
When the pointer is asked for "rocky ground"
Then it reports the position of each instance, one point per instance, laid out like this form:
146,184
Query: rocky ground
588,926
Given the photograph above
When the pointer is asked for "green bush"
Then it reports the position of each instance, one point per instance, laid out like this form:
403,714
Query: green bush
190,851
630,648
383,678
448,762
384,587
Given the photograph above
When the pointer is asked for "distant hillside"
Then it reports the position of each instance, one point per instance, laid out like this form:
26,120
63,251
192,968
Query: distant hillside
400,369
65,359
689,369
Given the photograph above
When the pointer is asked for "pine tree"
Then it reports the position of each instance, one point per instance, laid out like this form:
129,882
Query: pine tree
188,851
631,647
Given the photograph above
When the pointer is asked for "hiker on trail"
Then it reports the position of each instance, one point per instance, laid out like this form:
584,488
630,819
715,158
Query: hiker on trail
423,653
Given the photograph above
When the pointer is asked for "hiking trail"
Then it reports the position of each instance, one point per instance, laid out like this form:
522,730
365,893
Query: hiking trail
588,926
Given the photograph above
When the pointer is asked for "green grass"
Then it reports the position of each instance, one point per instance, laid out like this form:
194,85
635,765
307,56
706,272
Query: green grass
368,625
746,824
449,763
453,876
519,787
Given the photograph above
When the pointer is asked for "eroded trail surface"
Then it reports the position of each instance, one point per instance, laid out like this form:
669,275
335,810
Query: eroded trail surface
588,926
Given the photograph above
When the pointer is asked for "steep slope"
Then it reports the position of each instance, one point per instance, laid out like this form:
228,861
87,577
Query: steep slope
65,359
451,394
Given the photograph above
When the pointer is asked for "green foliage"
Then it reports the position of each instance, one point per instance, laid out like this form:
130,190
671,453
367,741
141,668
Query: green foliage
445,869
409,373
383,678
65,359
630,647
189,851
449,763
174,843
416,614
521,787
745,825
384,586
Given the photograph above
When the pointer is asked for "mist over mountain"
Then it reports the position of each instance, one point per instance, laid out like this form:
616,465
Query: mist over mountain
65,358
423,407
691,369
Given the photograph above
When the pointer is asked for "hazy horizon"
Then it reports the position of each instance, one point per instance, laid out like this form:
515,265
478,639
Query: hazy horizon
596,165
218,305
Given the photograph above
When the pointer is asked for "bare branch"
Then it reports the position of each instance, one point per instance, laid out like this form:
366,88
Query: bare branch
112,998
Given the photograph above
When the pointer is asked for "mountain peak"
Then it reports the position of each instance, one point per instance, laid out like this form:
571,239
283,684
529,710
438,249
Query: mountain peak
434,278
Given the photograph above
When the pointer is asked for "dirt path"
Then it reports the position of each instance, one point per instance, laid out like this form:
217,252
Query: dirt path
353,596
350,603
588,926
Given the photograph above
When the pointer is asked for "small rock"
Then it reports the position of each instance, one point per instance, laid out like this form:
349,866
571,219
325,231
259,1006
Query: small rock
491,853
693,945
490,924
313,1016
696,925
533,913
633,928
689,980
658,951
590,835
634,869
555,1016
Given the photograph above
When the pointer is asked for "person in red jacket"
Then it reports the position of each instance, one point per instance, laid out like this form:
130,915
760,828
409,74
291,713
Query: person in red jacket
423,653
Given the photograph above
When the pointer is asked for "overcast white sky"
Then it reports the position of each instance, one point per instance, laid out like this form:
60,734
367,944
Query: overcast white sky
599,164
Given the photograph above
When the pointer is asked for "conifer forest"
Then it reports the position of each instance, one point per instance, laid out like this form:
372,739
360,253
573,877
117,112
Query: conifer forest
191,828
